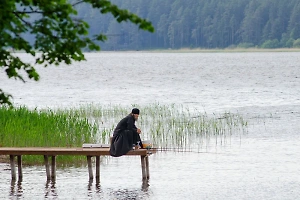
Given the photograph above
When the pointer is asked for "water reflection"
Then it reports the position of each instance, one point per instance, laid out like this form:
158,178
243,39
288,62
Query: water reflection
50,189
145,185
97,187
16,188
128,193
118,193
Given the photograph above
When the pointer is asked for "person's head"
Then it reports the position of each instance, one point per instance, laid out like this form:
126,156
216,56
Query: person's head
135,113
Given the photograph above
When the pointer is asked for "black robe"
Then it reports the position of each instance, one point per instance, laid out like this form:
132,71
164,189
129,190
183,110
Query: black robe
124,137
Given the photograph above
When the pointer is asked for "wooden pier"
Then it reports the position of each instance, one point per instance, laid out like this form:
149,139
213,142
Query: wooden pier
52,152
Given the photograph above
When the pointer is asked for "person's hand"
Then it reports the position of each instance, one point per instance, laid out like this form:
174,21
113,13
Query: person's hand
138,131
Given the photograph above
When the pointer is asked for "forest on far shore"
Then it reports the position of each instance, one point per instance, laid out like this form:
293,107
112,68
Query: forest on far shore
200,24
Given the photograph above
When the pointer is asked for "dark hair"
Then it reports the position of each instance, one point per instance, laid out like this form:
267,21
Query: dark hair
135,111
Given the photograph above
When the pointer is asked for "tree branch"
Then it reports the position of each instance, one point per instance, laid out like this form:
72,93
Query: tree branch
28,12
78,2
20,18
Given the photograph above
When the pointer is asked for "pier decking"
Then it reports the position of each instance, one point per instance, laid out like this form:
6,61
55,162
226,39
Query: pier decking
55,151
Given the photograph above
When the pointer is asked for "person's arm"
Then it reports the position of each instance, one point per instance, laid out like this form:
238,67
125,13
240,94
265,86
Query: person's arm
131,125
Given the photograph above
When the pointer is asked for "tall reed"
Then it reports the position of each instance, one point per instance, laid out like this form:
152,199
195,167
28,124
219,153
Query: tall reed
167,126
21,127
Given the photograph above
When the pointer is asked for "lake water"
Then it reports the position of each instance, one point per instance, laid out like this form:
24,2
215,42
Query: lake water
263,87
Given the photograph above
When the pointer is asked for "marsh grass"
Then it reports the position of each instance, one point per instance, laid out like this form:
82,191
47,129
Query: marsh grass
21,127
167,126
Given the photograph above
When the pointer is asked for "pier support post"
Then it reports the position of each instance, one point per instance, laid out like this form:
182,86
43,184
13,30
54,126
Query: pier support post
143,164
12,166
51,175
89,161
53,168
97,169
147,166
20,173
46,160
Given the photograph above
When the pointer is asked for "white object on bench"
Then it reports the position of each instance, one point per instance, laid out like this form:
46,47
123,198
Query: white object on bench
95,146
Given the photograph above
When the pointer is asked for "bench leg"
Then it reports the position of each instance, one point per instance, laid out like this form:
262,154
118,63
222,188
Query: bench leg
147,166
89,161
143,164
12,166
20,168
97,169
46,161
53,168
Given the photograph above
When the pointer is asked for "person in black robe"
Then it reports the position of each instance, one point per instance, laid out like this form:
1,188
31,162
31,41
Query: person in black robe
126,135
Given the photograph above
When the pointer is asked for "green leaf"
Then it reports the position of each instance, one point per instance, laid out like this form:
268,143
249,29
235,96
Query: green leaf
60,37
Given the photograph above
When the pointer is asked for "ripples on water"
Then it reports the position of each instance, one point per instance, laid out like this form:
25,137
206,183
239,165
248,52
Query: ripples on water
207,81
262,164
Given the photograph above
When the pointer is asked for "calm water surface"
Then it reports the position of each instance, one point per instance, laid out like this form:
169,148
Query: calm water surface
261,164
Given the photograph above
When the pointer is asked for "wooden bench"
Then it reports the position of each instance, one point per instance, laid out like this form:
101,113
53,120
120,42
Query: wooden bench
55,151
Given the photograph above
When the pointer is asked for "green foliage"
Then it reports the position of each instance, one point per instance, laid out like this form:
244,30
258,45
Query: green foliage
4,98
296,43
289,43
59,35
21,127
245,45
28,128
202,23
167,126
270,44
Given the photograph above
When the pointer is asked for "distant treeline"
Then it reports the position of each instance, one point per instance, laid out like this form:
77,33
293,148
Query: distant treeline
201,24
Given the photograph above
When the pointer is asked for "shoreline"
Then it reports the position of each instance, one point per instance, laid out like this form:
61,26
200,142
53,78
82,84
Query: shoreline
194,50
229,50
198,50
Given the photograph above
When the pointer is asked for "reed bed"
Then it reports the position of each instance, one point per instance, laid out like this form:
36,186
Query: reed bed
21,127
167,126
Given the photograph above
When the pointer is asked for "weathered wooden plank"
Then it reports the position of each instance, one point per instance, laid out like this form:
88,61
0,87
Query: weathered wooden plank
53,151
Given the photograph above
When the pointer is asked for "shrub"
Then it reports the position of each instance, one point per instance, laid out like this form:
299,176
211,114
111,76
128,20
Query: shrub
245,45
271,44
296,43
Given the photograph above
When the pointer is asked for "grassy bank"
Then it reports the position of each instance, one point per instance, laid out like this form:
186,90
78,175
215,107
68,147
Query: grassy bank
167,126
